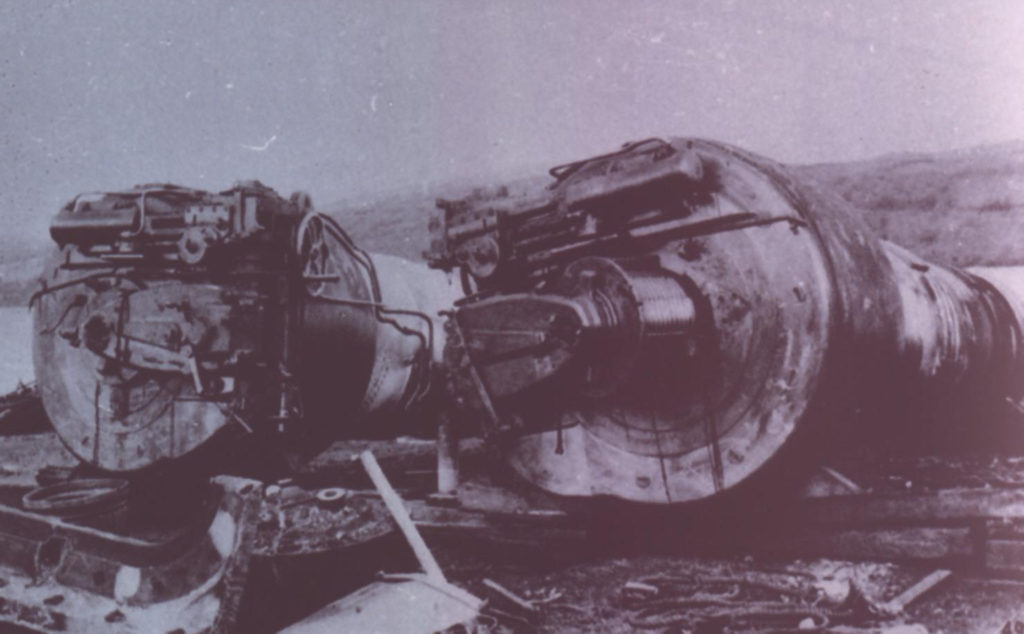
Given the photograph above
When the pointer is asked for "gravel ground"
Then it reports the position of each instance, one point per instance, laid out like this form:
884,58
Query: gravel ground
590,598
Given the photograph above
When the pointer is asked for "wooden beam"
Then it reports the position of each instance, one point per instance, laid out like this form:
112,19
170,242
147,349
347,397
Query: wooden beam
867,543
897,604
951,504
1005,556
398,511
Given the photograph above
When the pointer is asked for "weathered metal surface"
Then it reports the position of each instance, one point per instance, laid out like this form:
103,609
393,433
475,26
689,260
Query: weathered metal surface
401,604
157,396
366,337
959,356
765,318
147,342
60,576
659,324
689,411
171,316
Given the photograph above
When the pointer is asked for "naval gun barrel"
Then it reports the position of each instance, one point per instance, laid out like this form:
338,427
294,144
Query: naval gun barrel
675,321
682,319
169,317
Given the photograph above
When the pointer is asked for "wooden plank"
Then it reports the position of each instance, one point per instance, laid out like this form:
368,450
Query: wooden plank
826,482
457,524
951,504
1005,556
953,544
510,596
897,604
401,515
876,544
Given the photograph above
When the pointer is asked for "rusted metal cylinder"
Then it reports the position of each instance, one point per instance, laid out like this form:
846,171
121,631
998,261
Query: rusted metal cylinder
366,334
1009,282
238,310
804,324
143,348
959,334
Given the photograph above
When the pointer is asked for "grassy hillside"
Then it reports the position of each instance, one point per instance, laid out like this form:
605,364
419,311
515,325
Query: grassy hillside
960,208
394,223
397,223
20,265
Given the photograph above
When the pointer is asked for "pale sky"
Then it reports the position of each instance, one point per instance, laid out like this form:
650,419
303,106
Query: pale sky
344,99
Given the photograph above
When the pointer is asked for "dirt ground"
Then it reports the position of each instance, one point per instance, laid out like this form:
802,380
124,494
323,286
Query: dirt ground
583,587
589,595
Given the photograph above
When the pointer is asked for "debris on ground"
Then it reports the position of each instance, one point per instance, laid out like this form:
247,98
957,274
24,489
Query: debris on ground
506,598
569,582
418,603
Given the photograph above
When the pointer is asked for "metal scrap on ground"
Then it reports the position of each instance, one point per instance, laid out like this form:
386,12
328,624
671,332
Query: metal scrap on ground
397,604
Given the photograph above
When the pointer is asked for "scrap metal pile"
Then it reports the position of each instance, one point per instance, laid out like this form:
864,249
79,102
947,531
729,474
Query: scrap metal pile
674,324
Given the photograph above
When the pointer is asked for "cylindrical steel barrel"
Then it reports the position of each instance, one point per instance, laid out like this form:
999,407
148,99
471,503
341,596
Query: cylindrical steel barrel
365,336
145,351
806,324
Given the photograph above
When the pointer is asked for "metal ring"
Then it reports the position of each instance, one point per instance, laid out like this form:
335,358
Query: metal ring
76,495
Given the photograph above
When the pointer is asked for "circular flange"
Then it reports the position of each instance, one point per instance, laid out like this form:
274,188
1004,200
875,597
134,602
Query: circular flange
684,424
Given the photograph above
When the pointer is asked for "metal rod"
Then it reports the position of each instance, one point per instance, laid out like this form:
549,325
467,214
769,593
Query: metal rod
398,511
